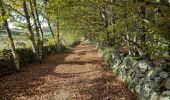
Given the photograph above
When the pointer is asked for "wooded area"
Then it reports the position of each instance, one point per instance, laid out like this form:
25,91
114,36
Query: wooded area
138,29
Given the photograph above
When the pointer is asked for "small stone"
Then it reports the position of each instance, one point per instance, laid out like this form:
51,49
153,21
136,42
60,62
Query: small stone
166,93
141,81
132,90
153,73
157,79
164,98
150,74
154,96
140,75
143,66
163,74
127,61
154,85
167,84
147,90
138,89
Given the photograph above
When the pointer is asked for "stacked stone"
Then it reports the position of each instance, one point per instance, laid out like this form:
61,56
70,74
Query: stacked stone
6,62
148,82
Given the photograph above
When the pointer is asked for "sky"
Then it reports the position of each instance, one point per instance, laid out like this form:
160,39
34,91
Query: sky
11,26
22,20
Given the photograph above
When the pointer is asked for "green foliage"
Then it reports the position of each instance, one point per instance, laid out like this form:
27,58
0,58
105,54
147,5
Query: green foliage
50,41
6,62
25,55
138,27
69,39
115,70
107,55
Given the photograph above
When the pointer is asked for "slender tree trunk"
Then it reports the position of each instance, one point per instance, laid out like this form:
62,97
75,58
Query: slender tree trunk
37,17
32,37
6,26
37,31
58,33
49,26
127,28
52,33
105,18
39,25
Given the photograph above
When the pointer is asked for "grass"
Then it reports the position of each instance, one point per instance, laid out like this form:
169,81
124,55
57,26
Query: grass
66,38
70,38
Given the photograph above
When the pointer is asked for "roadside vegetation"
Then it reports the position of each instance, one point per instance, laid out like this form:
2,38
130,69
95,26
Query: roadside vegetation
138,30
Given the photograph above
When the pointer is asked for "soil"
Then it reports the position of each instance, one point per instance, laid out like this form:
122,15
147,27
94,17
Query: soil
76,74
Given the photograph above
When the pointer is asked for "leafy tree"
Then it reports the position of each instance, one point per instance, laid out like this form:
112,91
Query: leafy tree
4,16
139,27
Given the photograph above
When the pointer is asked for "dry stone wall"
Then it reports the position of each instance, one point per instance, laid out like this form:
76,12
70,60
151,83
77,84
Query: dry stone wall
7,65
6,62
141,77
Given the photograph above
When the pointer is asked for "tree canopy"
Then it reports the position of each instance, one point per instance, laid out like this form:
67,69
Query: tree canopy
140,27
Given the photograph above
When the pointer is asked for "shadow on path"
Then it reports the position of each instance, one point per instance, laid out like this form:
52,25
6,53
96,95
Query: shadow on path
76,74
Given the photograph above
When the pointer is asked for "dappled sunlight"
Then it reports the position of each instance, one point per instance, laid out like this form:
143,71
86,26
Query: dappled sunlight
78,73
84,49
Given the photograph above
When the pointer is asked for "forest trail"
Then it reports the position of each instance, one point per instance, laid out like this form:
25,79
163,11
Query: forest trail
76,74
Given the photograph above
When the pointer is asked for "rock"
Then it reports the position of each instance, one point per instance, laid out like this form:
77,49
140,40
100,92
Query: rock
113,55
140,75
143,66
132,90
138,89
153,73
157,79
128,78
136,80
150,74
127,61
163,74
164,98
134,65
146,90
118,60
154,85
141,81
154,96
166,93
167,84
141,97
131,86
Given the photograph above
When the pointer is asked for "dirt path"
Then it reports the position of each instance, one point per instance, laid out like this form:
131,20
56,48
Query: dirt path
77,74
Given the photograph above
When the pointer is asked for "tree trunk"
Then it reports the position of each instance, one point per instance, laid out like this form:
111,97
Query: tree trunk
127,29
38,38
32,37
39,25
6,26
58,33
52,33
49,26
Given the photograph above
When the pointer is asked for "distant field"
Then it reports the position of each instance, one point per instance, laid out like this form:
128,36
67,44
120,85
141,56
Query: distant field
3,46
21,40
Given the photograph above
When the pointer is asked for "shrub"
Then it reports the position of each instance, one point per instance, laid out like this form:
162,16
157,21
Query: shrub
6,62
26,55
